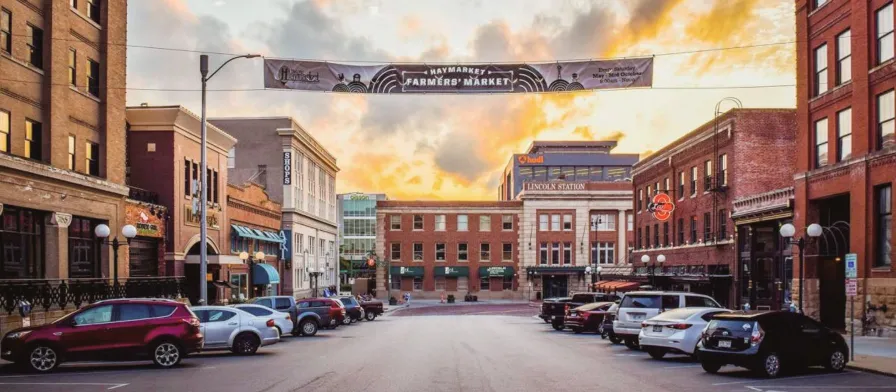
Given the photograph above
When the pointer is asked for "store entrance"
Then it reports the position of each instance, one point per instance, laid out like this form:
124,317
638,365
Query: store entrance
556,286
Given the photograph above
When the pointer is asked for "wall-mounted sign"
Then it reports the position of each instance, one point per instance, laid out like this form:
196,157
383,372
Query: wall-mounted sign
193,219
451,271
661,207
287,168
495,271
356,196
852,268
530,159
147,221
554,186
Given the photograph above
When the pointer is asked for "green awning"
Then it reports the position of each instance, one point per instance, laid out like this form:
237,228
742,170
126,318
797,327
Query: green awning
255,234
264,274
407,271
451,271
495,271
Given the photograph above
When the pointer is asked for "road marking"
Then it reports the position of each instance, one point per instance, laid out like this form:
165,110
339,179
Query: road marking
850,387
117,386
95,384
788,378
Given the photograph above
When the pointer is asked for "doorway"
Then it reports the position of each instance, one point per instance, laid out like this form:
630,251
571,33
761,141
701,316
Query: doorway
556,286
829,251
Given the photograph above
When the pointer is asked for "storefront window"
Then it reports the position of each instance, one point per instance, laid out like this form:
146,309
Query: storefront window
540,174
83,252
143,257
396,282
241,281
21,244
525,174
484,284
418,283
440,283
508,283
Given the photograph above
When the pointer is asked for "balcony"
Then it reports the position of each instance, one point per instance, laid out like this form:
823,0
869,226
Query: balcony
49,294
143,195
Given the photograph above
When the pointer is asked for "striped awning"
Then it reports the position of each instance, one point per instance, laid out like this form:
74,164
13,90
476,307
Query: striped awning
257,234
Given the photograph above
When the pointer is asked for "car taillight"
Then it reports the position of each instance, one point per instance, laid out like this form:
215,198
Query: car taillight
757,334
679,326
566,309
644,324
193,321
288,317
270,323
334,305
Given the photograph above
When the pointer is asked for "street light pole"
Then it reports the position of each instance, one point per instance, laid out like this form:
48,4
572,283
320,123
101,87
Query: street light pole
203,175
788,231
102,232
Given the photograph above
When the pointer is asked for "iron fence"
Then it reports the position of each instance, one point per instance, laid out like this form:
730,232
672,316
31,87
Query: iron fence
62,293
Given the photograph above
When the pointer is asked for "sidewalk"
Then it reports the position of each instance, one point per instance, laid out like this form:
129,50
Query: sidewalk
425,303
873,354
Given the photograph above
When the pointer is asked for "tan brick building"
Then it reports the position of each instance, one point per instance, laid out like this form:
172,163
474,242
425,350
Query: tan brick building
254,226
62,136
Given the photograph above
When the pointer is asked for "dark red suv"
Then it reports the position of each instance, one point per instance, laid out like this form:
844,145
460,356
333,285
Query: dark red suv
120,329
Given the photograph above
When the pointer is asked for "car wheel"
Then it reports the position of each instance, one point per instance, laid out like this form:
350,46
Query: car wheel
557,326
308,327
710,367
245,344
370,316
770,365
632,344
42,359
279,332
836,361
166,354
615,339
656,353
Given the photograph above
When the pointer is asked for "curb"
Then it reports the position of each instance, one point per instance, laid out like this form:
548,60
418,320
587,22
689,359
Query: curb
870,370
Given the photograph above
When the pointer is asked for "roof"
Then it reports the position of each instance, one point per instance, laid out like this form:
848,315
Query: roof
449,203
538,145
748,315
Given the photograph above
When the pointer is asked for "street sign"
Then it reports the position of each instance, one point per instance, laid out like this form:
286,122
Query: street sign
661,207
852,287
851,266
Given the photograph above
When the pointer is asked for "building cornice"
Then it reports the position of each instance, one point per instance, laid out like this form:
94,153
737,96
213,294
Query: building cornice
49,172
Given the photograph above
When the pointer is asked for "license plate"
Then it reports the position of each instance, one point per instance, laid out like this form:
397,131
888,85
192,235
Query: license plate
657,328
573,314
636,316
724,344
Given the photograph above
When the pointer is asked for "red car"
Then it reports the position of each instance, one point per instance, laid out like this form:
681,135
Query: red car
586,318
164,330
337,313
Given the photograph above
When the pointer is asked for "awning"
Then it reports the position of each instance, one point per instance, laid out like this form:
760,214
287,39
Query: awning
221,284
264,274
617,286
261,235
451,271
495,271
407,271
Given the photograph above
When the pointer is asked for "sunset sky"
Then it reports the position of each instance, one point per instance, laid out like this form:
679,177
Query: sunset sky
454,147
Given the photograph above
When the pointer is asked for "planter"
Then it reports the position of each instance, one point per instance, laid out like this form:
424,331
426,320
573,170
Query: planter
451,298
393,301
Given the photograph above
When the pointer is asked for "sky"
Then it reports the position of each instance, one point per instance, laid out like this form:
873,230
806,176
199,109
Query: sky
455,147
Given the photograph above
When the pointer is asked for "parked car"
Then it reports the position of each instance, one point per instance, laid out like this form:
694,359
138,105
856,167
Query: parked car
556,311
372,309
308,315
282,321
228,328
638,306
676,331
606,326
548,306
769,341
164,330
280,303
587,318
353,310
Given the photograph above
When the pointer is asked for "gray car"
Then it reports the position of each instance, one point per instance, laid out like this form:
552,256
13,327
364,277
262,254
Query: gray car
282,320
228,328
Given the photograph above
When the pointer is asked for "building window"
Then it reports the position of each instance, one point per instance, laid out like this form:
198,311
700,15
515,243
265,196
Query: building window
723,225
567,253
485,223
647,237
883,212
707,227
395,281
214,183
485,252
395,222
886,125
694,181
440,222
461,223
819,3
693,229
555,253
231,158
396,252
507,222
640,200
665,233
603,252
821,69
72,67
33,144
567,222
884,29
844,134
631,221
440,252
418,283
649,193
462,252
681,185
555,222
418,252
6,30
707,176
844,58
418,222
543,222
543,253
639,238
4,131
723,170
484,283
93,78
680,231
667,186
93,10
507,251
821,142
603,222
83,252
656,235
36,47
440,283
508,283
71,152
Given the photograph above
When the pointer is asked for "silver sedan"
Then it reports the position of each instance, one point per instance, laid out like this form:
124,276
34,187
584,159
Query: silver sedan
282,321
228,328
676,331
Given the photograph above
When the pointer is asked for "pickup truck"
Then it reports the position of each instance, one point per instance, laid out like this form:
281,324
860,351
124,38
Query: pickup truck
372,309
554,310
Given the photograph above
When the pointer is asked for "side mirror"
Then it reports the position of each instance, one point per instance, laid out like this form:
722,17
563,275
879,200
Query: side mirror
617,302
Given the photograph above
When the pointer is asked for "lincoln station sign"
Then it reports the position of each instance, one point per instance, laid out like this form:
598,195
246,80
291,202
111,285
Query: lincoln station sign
554,186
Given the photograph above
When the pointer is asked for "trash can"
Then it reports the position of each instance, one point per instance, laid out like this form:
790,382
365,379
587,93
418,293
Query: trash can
538,295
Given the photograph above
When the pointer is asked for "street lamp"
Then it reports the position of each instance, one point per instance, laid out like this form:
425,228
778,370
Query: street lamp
102,232
203,168
788,231
244,256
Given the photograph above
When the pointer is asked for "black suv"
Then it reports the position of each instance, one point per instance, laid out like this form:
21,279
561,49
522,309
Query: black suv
770,341
353,310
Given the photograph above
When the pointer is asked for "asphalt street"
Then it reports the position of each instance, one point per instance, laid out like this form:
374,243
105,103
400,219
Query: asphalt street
474,352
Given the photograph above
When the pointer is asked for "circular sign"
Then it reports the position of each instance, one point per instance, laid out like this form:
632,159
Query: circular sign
661,207
371,262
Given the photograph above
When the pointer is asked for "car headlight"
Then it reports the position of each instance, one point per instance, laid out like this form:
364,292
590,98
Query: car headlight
18,335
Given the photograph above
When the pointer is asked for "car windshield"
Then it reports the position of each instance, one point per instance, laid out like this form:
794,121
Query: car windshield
642,301
583,298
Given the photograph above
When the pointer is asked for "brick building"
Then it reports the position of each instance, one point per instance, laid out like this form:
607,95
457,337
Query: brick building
451,247
702,173
254,224
163,158
846,154
62,137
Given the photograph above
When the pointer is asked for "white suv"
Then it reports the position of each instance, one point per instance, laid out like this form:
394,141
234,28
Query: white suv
639,306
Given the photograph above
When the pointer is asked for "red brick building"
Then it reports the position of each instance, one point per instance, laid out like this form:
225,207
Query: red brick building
846,153
450,247
702,173
254,226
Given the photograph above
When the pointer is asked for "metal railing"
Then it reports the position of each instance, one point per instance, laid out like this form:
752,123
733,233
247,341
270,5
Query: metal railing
143,195
62,293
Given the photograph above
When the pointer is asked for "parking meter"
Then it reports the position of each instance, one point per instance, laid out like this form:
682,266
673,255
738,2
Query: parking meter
24,308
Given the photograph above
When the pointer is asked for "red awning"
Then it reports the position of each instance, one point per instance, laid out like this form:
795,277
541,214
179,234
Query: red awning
617,286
